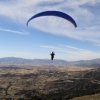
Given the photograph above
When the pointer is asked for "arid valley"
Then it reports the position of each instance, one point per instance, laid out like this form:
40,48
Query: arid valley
47,81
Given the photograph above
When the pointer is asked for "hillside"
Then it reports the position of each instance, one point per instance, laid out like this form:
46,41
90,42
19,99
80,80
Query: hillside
88,97
48,83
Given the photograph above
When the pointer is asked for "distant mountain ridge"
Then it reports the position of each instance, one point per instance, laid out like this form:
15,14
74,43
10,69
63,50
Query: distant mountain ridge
15,60
87,62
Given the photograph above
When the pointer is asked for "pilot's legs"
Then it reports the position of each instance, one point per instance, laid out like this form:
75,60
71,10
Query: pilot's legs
52,57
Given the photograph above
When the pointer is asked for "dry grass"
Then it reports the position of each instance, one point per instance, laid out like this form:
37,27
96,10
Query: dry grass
88,97
74,68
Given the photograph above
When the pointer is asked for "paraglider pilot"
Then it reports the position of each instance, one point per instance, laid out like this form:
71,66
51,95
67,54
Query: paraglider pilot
52,55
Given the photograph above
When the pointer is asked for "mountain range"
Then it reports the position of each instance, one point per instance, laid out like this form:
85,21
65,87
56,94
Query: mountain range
15,60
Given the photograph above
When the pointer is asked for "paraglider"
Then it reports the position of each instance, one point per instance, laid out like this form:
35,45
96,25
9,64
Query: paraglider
54,13
52,55
57,14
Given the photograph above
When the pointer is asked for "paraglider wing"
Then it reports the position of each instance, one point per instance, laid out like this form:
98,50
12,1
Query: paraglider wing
54,13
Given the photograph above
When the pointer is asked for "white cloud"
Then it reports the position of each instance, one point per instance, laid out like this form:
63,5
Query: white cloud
13,31
72,47
21,10
54,48
49,47
73,53
83,56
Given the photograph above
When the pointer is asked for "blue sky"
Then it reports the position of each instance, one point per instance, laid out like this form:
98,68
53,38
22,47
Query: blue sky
49,33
